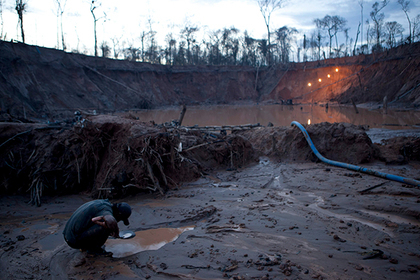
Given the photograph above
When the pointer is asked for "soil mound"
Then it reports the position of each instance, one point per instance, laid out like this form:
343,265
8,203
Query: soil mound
338,141
110,157
400,150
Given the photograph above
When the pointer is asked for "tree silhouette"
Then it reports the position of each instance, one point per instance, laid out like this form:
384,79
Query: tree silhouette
20,9
267,7
393,28
188,35
61,4
378,19
284,38
404,6
332,24
93,7
1,19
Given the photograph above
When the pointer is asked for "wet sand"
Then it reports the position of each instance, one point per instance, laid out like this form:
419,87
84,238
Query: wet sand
267,221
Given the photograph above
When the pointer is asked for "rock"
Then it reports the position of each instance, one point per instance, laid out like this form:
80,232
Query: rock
336,237
359,267
412,270
20,237
77,261
394,261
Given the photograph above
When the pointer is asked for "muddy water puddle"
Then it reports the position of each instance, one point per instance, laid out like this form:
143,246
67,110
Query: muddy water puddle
283,115
146,240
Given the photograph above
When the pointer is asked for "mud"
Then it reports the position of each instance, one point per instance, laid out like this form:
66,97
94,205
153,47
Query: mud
260,206
270,220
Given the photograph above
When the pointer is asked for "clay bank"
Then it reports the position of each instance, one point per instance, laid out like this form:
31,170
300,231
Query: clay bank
50,85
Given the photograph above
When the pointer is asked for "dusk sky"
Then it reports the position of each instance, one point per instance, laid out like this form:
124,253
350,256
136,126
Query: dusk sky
130,17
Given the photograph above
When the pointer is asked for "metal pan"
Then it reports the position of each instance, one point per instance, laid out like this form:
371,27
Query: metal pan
127,234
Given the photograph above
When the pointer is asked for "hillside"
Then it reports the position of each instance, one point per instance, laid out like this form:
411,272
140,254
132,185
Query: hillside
50,84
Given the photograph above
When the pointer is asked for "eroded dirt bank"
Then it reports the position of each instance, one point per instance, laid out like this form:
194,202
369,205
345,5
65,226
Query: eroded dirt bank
260,206
48,84
110,156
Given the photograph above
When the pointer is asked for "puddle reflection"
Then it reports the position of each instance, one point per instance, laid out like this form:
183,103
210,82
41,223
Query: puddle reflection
283,115
145,240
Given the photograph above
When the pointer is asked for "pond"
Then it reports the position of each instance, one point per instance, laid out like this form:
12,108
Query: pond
282,115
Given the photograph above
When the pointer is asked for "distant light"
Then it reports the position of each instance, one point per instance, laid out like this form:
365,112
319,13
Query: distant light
309,121
329,76
336,69
309,84
319,80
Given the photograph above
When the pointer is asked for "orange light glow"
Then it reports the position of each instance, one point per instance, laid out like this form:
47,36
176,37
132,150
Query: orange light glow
336,69
329,76
309,121
319,80
309,84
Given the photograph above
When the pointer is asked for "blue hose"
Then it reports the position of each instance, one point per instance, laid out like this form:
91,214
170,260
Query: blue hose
354,167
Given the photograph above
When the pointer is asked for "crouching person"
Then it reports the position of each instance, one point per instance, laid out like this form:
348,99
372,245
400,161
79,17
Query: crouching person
92,223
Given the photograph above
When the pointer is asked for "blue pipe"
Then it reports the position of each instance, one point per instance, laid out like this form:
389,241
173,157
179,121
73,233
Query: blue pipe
354,167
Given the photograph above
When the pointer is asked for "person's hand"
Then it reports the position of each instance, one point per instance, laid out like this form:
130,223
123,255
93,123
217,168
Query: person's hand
108,222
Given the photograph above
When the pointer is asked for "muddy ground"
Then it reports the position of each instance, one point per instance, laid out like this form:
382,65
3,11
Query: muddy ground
282,215
266,221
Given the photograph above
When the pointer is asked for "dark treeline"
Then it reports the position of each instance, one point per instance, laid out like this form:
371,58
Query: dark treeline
331,38
230,46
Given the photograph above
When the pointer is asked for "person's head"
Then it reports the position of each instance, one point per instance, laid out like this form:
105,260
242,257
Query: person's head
122,212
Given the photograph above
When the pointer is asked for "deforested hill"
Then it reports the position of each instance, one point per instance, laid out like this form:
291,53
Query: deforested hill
43,83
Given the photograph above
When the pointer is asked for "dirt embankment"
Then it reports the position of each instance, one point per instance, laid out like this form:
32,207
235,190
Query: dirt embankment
394,74
109,156
49,84
288,143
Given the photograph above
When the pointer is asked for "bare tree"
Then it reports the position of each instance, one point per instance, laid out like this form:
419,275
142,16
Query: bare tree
152,53
332,24
93,7
367,35
1,19
284,38
61,4
131,53
267,7
230,44
405,7
214,47
116,47
249,50
355,42
393,28
171,48
361,23
346,34
106,50
20,8
416,27
143,38
188,35
378,19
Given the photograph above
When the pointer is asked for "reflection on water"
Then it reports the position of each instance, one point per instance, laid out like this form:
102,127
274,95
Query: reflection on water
282,115
145,240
